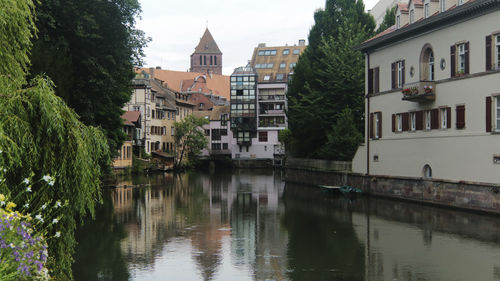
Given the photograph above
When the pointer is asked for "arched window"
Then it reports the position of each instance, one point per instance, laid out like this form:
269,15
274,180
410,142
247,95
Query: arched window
427,69
427,171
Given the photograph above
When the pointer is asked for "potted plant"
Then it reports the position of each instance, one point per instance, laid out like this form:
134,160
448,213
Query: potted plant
428,89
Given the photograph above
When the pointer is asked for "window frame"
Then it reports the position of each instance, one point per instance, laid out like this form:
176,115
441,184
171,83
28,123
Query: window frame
461,58
443,118
399,122
399,74
428,120
427,9
496,107
496,52
413,121
442,7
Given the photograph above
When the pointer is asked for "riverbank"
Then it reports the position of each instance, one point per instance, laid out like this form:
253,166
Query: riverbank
456,194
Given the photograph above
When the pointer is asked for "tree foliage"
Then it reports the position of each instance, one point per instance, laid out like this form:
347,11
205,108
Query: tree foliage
190,138
344,138
389,20
328,77
89,49
41,136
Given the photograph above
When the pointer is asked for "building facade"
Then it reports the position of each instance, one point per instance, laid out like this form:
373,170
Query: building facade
207,57
217,132
433,96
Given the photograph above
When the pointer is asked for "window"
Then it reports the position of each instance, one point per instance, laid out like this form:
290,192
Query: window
398,21
201,105
497,114
398,74
496,52
428,120
204,60
282,65
296,51
262,136
292,66
431,66
211,60
443,5
223,132
200,61
399,119
286,52
461,58
207,132
373,80
267,77
261,53
412,15
427,9
460,2
280,76
444,119
216,146
172,131
376,125
215,60
413,121
224,146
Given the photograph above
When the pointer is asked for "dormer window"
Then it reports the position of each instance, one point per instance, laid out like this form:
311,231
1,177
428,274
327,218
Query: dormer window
460,2
398,21
443,5
412,16
427,12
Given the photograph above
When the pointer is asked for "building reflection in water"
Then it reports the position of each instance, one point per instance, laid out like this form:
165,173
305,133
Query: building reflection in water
245,226
243,209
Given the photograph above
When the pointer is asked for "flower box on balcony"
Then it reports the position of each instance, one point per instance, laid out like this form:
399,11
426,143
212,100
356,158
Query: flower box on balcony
422,91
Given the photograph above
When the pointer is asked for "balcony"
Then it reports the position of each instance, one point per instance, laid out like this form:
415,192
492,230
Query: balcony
271,98
422,91
272,112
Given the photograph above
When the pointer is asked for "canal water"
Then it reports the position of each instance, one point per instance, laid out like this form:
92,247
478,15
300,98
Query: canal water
250,225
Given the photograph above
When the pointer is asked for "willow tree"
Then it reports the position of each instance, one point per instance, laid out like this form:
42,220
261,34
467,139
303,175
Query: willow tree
40,136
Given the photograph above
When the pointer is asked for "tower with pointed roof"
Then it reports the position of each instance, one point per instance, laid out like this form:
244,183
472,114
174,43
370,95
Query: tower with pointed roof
207,57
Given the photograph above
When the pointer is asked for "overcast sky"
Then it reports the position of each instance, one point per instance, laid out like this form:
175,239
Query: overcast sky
237,26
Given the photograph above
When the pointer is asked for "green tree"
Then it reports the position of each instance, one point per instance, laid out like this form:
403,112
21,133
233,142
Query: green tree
89,49
329,76
190,138
344,138
389,20
40,136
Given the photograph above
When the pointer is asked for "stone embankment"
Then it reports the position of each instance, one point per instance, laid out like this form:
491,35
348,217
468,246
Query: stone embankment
457,194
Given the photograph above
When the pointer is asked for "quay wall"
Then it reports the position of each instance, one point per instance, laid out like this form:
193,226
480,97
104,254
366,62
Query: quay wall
457,194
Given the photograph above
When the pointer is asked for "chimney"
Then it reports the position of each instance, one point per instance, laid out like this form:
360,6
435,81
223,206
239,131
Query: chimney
302,42
261,45
152,72
158,67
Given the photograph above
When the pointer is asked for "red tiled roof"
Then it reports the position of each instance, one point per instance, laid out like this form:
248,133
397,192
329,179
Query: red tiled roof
387,31
207,45
219,84
403,7
130,117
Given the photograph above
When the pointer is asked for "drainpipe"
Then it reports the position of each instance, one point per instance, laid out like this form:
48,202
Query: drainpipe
368,122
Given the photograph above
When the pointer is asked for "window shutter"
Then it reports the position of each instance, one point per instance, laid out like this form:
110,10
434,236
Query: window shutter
488,53
403,72
405,120
434,118
448,117
488,114
452,60
420,120
393,75
467,58
379,124
377,80
460,116
370,81
394,122
370,125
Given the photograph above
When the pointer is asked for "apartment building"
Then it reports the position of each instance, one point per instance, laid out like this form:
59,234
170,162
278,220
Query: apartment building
433,93
217,132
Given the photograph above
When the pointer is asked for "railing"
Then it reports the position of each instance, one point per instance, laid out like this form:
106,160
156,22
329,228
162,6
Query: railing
271,98
422,91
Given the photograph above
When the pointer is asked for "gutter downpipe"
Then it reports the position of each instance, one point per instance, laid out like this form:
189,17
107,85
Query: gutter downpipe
367,117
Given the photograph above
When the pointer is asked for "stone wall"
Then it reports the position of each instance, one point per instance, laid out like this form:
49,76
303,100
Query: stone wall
464,195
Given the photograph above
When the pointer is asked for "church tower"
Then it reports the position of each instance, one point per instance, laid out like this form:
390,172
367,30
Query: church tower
207,57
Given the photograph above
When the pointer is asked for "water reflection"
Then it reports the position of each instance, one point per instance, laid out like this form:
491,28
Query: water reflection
245,226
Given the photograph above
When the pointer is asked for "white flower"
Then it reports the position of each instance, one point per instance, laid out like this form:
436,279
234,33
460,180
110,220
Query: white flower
54,221
47,178
12,245
58,234
2,203
28,189
58,204
44,206
26,205
39,217
1,151
51,183
26,181
4,170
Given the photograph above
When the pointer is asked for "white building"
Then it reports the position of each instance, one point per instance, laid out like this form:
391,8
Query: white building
433,93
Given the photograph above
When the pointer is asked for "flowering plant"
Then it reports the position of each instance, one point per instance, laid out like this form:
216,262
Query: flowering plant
23,253
406,91
428,88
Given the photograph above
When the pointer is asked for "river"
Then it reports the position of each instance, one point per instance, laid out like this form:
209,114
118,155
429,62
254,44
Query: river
250,225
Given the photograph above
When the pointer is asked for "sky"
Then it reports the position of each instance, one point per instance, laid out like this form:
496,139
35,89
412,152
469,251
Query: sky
237,26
